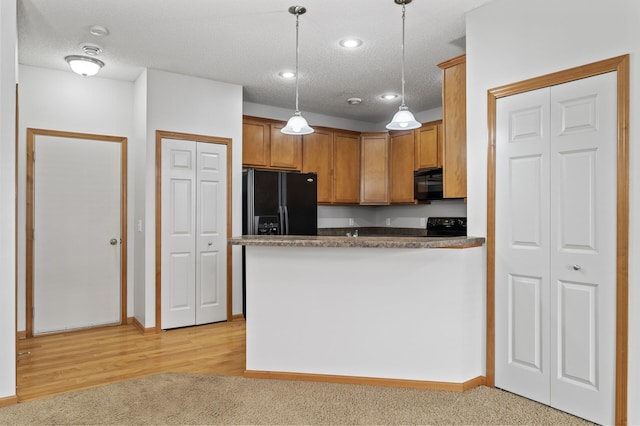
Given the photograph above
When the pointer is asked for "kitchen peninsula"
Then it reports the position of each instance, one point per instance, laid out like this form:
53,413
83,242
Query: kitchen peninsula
399,311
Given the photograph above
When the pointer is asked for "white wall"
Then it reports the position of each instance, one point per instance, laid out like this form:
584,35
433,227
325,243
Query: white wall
62,100
513,40
8,46
193,105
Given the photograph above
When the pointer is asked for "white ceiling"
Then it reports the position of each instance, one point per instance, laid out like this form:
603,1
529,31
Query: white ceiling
247,42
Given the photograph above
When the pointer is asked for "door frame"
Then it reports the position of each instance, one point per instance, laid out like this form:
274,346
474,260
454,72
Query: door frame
620,64
31,139
162,134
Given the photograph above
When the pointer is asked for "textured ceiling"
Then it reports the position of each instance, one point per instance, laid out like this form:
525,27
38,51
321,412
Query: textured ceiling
248,42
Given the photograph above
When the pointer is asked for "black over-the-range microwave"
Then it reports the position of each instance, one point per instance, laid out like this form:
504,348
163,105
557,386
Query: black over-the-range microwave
427,184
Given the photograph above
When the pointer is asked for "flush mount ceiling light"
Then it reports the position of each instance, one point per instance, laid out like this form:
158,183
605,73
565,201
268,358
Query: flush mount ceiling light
297,125
84,65
403,119
350,43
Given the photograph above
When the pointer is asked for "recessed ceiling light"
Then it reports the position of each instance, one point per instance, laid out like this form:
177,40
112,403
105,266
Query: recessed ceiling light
350,43
354,101
389,96
287,74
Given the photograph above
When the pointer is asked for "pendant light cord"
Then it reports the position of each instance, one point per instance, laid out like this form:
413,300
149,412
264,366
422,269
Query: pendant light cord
403,10
297,26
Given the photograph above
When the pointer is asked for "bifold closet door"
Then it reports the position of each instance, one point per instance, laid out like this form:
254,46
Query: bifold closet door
555,246
194,254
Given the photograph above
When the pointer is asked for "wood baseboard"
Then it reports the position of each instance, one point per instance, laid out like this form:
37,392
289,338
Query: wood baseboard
138,325
237,317
373,381
21,335
10,400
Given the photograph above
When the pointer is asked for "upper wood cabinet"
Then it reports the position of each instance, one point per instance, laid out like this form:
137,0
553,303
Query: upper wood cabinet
454,122
374,168
255,142
401,164
317,156
428,146
264,146
335,156
286,150
346,167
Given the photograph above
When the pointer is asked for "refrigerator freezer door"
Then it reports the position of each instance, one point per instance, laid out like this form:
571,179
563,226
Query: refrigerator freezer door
300,202
261,201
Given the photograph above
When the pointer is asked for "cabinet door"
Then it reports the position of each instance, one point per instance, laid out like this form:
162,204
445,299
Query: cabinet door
255,143
454,110
401,163
286,150
346,168
374,166
428,146
317,156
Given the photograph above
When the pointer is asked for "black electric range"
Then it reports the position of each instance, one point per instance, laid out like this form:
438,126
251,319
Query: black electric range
447,227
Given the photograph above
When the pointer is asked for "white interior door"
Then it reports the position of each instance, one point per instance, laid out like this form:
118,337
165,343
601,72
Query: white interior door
194,238
555,246
76,269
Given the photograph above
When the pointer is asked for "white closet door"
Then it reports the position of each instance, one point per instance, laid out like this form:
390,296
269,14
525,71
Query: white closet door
178,269
211,231
522,245
194,235
556,246
583,249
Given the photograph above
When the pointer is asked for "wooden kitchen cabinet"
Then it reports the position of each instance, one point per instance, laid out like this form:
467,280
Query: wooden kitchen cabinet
286,150
374,168
401,163
454,123
264,146
346,167
317,156
255,142
428,146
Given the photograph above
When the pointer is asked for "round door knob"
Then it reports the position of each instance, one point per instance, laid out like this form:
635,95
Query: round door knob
577,267
113,241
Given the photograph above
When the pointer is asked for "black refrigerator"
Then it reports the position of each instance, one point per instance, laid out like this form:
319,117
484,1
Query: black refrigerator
279,203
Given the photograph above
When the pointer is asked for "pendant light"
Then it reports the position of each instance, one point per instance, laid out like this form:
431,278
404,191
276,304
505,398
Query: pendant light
403,119
297,125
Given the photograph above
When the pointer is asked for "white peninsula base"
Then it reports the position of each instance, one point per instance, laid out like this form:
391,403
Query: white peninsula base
400,314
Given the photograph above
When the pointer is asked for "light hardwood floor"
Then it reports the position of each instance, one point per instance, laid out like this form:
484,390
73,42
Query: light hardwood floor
77,360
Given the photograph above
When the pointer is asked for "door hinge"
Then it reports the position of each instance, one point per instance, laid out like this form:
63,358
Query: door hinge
33,312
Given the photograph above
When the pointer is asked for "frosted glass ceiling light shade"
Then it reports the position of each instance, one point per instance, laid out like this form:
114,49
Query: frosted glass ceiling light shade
297,125
403,119
84,65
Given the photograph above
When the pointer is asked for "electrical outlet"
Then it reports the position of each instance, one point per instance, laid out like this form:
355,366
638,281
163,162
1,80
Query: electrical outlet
423,222
351,221
388,221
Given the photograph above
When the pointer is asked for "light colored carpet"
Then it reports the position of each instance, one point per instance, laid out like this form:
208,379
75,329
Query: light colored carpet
198,399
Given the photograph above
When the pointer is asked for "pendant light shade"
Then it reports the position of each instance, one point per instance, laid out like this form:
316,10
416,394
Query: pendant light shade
403,119
297,125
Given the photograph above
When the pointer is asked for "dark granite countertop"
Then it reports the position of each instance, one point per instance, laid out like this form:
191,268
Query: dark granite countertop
360,241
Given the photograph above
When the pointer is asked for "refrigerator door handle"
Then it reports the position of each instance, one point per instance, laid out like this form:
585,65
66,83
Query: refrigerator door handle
286,220
281,230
